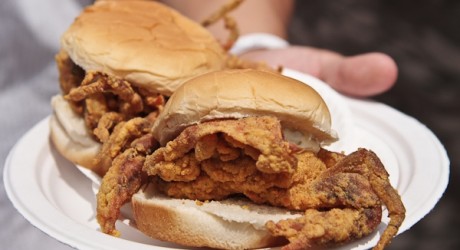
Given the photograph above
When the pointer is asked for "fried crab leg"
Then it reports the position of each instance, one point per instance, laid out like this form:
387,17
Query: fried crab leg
95,108
97,82
120,138
122,180
356,184
107,121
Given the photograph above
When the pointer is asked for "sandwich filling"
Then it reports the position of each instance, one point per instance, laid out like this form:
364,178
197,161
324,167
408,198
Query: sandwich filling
249,157
103,101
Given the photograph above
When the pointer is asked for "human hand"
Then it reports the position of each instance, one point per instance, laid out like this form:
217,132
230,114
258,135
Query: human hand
361,75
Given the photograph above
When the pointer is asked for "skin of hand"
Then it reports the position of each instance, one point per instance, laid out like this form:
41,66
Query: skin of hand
360,75
267,16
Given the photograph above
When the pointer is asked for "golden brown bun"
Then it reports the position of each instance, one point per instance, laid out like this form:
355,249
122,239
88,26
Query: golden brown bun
69,135
145,42
229,224
242,93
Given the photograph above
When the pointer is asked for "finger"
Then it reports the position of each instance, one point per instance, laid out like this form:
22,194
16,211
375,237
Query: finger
362,75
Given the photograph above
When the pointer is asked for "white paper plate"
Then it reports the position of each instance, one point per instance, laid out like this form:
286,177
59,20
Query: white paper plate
58,199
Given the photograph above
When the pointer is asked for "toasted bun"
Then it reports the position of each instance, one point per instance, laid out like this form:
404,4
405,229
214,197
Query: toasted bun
144,42
229,224
70,136
242,93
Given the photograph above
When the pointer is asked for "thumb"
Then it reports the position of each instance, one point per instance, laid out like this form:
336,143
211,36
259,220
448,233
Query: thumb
362,75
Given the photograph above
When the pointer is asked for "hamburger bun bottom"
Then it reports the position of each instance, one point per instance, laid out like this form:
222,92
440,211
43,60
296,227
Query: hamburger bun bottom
69,135
234,223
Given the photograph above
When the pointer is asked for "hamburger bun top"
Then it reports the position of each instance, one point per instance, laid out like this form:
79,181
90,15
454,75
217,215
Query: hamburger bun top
242,93
144,42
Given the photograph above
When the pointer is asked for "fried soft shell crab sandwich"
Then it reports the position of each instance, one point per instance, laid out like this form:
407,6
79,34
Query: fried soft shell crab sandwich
241,164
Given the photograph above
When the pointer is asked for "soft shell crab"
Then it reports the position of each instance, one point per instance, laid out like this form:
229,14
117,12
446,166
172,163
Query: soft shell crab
341,195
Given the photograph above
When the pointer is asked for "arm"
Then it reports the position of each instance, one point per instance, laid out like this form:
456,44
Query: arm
361,75
268,16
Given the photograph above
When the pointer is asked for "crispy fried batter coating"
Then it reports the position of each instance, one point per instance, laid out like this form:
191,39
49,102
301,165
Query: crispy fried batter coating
103,100
106,124
218,180
248,155
358,184
342,195
323,228
70,76
120,139
122,180
183,169
98,82
95,108
262,133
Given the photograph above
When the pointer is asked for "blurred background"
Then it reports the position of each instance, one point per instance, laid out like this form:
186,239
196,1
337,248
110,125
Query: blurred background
424,39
